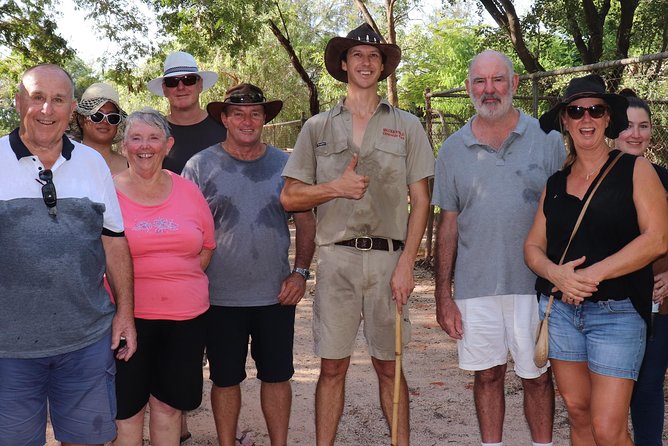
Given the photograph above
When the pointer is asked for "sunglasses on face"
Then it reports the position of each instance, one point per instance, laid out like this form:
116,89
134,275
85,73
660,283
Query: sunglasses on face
577,112
112,118
245,98
48,190
173,82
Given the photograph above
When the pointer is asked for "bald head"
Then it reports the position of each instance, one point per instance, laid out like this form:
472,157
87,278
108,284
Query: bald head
47,69
490,56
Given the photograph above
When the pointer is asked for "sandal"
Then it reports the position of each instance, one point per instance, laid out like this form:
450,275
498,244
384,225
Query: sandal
244,439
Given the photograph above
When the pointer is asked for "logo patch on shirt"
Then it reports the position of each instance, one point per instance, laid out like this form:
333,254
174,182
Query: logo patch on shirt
159,225
394,133
321,143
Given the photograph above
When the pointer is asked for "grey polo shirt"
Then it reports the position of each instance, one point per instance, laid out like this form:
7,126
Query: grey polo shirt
496,194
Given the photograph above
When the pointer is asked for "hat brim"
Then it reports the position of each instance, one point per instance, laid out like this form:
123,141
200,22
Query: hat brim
617,104
338,45
271,109
208,79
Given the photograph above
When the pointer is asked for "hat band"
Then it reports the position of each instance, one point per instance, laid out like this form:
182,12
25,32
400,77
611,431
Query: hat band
368,39
180,70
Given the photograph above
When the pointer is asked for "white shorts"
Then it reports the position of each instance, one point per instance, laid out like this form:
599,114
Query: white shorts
496,325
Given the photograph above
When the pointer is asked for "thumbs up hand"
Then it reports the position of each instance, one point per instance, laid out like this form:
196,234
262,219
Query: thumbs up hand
350,184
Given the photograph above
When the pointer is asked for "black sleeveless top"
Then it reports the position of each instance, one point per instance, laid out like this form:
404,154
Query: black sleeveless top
609,224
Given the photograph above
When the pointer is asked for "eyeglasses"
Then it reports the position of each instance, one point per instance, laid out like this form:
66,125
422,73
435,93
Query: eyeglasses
173,82
112,118
48,190
245,98
577,112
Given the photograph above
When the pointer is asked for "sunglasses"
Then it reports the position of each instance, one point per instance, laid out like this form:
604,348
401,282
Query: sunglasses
245,98
577,112
173,82
48,190
112,118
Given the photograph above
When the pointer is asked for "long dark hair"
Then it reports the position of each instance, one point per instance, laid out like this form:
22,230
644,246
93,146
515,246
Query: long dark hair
635,101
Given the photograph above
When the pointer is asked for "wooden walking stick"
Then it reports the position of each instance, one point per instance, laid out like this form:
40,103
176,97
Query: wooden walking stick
397,376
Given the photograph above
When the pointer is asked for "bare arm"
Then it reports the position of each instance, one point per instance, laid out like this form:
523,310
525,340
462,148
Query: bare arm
651,206
447,312
294,286
205,257
120,277
299,196
402,281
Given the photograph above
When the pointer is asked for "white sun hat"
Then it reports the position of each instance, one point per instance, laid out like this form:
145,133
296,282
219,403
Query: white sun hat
180,63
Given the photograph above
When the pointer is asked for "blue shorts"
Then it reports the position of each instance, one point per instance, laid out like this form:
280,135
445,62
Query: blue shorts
608,335
79,388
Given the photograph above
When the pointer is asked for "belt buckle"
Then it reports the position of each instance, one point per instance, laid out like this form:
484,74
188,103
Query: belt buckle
362,248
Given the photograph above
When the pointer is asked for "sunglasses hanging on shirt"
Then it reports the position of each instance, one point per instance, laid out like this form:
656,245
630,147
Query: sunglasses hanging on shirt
48,190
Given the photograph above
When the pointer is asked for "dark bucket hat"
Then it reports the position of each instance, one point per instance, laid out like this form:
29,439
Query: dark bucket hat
245,95
590,86
362,35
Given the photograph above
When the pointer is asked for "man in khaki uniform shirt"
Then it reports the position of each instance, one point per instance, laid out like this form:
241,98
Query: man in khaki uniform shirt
358,163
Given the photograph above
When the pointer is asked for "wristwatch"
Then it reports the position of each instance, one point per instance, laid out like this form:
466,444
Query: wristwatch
306,274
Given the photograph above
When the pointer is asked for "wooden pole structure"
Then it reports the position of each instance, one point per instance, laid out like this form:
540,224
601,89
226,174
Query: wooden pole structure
397,376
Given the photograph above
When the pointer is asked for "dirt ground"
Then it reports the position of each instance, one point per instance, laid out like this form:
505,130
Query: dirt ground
441,397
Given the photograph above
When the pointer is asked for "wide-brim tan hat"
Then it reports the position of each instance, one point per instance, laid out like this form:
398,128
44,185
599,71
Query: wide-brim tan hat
180,63
362,35
245,95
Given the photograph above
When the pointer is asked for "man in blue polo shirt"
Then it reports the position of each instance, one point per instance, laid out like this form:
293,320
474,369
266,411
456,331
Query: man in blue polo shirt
61,229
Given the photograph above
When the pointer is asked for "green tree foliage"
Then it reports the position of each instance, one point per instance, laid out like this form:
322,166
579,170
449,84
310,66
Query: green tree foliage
28,29
437,57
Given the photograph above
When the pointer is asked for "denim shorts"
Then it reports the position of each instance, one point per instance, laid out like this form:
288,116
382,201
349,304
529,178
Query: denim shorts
608,335
79,388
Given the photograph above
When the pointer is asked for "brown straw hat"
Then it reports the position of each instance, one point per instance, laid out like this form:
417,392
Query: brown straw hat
245,95
590,86
362,35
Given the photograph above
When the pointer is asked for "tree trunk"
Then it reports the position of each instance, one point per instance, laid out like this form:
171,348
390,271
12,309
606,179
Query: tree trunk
628,10
504,14
314,102
392,96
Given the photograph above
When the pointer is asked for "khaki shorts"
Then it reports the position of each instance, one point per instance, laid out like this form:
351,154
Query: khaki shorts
496,325
353,285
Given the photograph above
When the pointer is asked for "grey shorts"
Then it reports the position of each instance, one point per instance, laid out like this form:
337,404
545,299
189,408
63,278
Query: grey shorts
352,286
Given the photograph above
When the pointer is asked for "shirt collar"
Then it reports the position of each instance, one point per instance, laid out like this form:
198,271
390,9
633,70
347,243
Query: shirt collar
470,139
339,107
20,149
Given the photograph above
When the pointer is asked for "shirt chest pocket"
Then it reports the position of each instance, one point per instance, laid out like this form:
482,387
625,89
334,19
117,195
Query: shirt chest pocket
331,160
387,162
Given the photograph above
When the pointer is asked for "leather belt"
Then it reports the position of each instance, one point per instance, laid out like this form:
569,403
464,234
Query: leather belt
369,243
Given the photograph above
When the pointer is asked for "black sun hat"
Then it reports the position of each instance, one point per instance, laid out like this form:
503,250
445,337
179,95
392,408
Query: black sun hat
590,86
245,95
362,35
